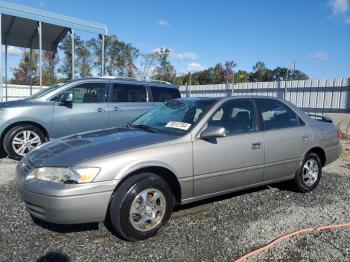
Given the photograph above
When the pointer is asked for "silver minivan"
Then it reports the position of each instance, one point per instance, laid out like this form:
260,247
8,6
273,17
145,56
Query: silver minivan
76,106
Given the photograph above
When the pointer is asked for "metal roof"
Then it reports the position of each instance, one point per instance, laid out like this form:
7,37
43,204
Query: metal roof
20,26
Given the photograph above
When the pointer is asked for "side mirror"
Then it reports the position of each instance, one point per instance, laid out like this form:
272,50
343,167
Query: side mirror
213,132
66,100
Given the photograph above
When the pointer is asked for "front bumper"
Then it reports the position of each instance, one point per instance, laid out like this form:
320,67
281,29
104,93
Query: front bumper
50,201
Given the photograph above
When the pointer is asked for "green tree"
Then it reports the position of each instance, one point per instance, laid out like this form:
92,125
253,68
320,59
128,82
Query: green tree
260,73
242,76
129,54
49,63
120,57
165,70
22,74
284,74
82,59
280,73
299,75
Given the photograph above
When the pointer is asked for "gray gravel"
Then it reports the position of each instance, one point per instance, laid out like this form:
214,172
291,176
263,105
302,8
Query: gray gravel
222,229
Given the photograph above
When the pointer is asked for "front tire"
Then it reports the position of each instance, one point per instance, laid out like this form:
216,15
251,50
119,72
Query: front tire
21,139
141,206
309,174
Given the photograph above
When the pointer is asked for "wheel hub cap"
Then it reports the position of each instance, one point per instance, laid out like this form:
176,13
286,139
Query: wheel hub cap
310,172
25,141
147,209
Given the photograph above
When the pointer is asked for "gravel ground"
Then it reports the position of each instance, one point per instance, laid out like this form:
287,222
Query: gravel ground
221,229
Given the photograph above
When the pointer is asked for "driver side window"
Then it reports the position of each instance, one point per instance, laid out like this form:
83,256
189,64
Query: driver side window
85,93
237,116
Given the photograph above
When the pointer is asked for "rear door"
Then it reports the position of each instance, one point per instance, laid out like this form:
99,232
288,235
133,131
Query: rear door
286,139
89,110
126,102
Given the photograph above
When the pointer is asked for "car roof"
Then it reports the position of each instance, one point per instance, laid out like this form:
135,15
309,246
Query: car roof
230,98
128,80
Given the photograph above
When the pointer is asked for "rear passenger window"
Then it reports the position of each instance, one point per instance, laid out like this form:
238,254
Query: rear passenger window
128,93
162,94
276,115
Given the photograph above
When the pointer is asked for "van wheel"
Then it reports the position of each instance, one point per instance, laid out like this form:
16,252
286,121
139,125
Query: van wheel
141,206
21,139
309,173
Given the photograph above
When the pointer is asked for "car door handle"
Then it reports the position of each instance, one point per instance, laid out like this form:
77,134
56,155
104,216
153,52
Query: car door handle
256,146
100,110
117,108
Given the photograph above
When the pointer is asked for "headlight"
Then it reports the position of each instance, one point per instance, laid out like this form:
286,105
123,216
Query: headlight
65,175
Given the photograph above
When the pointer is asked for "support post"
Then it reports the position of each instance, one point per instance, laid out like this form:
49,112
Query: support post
30,71
285,90
103,56
6,94
40,56
1,94
73,52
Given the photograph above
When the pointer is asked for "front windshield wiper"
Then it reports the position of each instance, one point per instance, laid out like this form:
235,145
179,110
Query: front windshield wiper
144,127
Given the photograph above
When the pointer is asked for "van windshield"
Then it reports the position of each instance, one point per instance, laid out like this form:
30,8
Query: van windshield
45,91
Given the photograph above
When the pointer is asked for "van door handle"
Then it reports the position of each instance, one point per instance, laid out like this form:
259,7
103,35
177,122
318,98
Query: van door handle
100,110
117,108
256,146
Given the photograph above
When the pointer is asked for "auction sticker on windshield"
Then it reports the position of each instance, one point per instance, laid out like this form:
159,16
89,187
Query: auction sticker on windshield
178,125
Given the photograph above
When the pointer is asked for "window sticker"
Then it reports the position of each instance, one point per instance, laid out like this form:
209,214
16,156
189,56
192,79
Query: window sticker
178,125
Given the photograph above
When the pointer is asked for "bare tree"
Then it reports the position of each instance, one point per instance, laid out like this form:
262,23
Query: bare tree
229,73
145,70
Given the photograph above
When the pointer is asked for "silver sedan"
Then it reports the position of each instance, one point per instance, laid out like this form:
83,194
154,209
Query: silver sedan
182,151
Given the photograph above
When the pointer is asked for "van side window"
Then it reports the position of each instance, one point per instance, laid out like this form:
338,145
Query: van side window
85,93
128,93
275,115
162,94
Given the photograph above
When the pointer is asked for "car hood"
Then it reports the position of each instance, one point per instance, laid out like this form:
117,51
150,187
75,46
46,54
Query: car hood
72,150
20,103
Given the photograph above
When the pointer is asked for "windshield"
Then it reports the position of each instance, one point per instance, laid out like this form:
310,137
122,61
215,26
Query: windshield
45,91
174,116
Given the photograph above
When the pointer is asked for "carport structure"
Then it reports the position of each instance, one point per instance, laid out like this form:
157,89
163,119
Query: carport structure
27,27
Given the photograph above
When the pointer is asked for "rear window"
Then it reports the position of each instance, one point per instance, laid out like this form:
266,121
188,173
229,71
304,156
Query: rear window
275,115
162,94
128,93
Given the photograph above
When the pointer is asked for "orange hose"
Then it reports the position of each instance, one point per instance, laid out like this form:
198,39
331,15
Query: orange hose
289,235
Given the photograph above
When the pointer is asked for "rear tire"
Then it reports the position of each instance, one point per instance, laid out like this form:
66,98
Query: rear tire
309,174
141,206
21,139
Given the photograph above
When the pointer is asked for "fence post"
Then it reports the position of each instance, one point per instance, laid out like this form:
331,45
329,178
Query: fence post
187,94
285,91
227,88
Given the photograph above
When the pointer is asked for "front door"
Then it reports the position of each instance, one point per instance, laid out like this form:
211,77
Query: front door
233,161
126,102
88,111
